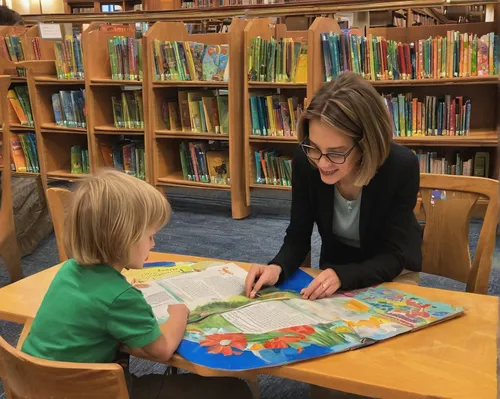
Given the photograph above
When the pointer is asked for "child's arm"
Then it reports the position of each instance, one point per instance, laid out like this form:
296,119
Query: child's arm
162,349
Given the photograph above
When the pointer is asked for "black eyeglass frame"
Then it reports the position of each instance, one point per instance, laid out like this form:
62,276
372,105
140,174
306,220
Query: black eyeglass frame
337,154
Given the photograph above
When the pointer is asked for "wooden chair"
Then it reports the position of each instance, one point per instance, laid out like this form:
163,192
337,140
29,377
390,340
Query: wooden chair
58,200
27,377
9,250
445,247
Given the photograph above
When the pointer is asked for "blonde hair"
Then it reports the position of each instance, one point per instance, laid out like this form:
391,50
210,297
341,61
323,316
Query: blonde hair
109,212
352,105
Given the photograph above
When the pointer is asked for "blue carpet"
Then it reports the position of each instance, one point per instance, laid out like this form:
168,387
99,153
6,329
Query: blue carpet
211,232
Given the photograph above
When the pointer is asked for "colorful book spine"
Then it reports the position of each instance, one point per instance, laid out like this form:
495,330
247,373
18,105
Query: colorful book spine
125,58
272,168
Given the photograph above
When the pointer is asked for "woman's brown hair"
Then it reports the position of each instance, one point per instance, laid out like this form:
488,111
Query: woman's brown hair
351,104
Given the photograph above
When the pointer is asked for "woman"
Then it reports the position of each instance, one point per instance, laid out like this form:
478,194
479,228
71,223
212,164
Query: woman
360,189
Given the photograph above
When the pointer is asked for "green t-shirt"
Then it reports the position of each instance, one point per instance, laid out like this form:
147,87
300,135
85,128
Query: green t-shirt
87,313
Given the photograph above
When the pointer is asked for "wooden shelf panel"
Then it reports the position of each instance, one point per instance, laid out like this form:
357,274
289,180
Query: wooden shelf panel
110,129
486,139
65,175
189,135
276,85
24,174
270,187
189,83
114,82
491,80
273,139
17,126
53,80
177,179
54,128
18,79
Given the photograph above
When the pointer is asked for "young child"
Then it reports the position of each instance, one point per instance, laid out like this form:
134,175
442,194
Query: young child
90,310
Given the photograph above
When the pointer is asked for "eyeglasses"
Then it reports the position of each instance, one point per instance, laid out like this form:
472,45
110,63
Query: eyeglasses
315,154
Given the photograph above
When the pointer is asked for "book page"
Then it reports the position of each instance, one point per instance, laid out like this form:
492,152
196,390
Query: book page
268,316
213,284
158,298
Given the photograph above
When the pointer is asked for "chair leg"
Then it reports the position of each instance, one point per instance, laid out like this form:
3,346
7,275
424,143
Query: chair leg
12,259
253,383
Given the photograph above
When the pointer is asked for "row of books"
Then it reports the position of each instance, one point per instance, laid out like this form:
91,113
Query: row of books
69,57
11,48
478,165
197,111
205,163
125,58
275,115
24,154
432,117
186,61
79,160
19,99
273,168
125,155
376,58
69,108
283,60
128,110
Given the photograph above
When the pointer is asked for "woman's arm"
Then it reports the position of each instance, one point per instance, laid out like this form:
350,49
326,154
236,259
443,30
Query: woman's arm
401,239
297,242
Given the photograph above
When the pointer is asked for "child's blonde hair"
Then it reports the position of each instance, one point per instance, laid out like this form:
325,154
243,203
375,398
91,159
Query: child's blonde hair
352,105
110,211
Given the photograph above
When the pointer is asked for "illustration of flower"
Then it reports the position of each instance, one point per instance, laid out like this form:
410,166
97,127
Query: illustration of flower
227,344
302,330
282,342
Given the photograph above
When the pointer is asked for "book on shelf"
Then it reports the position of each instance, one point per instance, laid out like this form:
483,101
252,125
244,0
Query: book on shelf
274,115
447,116
128,112
197,111
69,57
454,164
20,101
79,160
125,155
190,61
125,58
24,153
272,168
69,108
11,48
205,162
376,58
283,60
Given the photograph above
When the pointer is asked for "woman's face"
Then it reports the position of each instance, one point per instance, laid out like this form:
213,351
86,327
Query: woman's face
324,138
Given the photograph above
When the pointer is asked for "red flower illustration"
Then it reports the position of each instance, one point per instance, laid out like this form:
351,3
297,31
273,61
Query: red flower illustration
282,342
227,344
303,330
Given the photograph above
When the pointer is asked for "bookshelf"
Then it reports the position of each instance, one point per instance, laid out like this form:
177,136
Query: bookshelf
165,163
481,90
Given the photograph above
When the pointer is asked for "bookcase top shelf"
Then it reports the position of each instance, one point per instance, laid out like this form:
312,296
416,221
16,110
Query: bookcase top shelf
65,175
177,179
189,83
472,80
474,140
274,139
53,80
110,129
164,133
277,85
114,82
54,128
270,187
17,126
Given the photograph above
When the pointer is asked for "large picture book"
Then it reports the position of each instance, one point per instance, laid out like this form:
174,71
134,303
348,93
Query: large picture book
226,330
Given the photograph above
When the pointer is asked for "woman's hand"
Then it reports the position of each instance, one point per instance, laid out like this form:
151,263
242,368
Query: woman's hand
323,286
260,275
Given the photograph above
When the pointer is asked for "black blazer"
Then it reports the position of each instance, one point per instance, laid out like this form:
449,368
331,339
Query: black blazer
390,235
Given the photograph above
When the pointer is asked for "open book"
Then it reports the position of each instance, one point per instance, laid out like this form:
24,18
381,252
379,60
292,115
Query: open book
227,330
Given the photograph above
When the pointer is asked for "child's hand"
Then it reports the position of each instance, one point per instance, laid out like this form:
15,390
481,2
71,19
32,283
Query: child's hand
178,310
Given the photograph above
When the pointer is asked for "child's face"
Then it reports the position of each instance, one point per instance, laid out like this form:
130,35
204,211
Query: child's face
139,252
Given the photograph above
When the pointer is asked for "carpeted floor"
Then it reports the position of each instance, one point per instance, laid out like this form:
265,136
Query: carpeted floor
210,231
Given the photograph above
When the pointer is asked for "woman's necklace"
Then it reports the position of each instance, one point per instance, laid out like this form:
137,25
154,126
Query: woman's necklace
349,203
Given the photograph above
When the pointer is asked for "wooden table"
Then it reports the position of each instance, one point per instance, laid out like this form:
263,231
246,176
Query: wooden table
454,359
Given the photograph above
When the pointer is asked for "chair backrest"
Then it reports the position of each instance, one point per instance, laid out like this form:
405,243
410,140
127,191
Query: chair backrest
27,377
447,202
58,200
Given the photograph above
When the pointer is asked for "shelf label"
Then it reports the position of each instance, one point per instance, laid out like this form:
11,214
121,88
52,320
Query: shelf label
50,31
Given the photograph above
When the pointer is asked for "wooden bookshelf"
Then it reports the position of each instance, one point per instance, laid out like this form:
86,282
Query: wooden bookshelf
481,90
100,88
164,144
